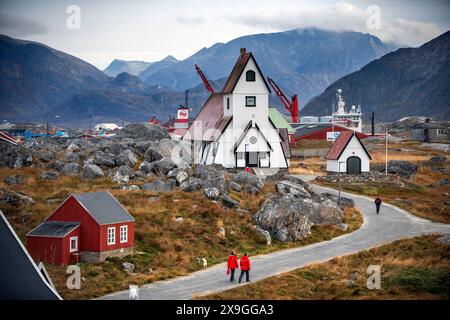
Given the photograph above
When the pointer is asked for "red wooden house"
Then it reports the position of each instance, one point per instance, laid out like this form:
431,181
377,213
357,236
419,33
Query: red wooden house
86,227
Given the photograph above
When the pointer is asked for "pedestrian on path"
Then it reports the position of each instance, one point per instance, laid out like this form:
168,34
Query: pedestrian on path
245,268
232,265
378,202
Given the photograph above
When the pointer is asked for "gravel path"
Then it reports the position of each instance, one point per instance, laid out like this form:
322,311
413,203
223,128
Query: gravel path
390,225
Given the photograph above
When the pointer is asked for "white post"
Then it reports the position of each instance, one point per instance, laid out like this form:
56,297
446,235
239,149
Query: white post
386,147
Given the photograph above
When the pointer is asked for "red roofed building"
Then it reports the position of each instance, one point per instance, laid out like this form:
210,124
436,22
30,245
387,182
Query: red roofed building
348,155
86,227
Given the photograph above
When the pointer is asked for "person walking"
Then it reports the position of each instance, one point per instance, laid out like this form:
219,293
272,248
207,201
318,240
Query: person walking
232,265
245,268
378,203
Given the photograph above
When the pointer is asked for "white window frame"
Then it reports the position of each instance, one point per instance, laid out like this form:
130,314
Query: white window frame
76,244
441,132
113,233
124,234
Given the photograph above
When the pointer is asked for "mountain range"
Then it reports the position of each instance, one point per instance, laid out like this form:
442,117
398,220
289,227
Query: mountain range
38,83
406,82
303,61
131,67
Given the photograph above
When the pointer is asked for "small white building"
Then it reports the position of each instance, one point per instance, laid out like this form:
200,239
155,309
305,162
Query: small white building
234,128
104,127
348,155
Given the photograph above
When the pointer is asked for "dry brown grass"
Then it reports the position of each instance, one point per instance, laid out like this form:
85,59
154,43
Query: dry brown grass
308,166
163,247
416,268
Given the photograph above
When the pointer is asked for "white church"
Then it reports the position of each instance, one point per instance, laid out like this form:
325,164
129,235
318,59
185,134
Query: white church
234,128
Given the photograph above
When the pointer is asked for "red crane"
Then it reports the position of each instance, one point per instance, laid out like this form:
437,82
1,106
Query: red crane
291,106
205,81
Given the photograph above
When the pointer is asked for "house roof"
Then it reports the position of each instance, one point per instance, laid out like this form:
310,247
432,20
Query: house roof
279,120
103,207
210,121
20,277
238,68
431,125
57,229
249,125
7,138
341,143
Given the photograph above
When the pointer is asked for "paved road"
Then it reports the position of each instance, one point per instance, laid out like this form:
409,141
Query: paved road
392,224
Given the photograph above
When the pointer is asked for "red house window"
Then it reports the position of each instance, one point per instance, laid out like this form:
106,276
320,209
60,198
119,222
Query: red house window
111,235
123,234
73,244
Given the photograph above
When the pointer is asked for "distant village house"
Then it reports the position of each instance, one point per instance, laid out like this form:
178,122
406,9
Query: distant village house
430,131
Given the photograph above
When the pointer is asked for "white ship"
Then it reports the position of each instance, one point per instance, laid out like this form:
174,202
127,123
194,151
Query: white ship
351,119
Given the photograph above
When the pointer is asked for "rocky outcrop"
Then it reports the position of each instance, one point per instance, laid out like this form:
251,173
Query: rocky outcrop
14,156
126,157
123,175
104,159
14,180
159,185
92,171
143,132
71,169
288,187
49,175
14,198
250,182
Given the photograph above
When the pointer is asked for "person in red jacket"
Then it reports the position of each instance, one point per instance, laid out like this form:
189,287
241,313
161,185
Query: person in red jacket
232,265
245,268
378,202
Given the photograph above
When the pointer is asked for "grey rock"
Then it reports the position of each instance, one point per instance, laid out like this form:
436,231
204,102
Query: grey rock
71,169
159,185
46,156
296,190
58,165
180,175
14,198
14,180
14,156
403,169
179,219
212,193
444,182
123,175
345,202
235,186
152,155
126,157
147,167
265,234
439,160
128,267
104,160
328,213
164,165
92,171
228,201
444,239
48,175
130,187
191,184
251,183
143,132
72,157
343,226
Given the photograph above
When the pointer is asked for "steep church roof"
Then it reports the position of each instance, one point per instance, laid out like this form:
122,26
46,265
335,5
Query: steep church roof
238,68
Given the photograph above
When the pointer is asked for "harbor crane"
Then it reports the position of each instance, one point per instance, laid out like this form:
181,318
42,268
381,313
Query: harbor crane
290,105
205,81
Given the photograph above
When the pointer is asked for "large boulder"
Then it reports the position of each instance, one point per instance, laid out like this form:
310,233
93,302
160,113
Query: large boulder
143,132
123,175
289,187
159,185
48,175
228,201
250,182
290,218
438,160
211,176
46,156
14,156
345,202
126,157
212,193
191,184
403,169
72,157
14,198
164,165
151,154
58,165
71,169
92,171
147,167
179,174
104,159
14,180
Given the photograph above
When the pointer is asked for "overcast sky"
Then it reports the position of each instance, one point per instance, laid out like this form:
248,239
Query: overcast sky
150,30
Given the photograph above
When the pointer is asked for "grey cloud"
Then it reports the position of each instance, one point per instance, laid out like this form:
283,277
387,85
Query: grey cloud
190,20
20,26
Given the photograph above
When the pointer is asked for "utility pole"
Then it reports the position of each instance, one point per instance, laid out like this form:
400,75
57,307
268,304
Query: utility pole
386,148
339,180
